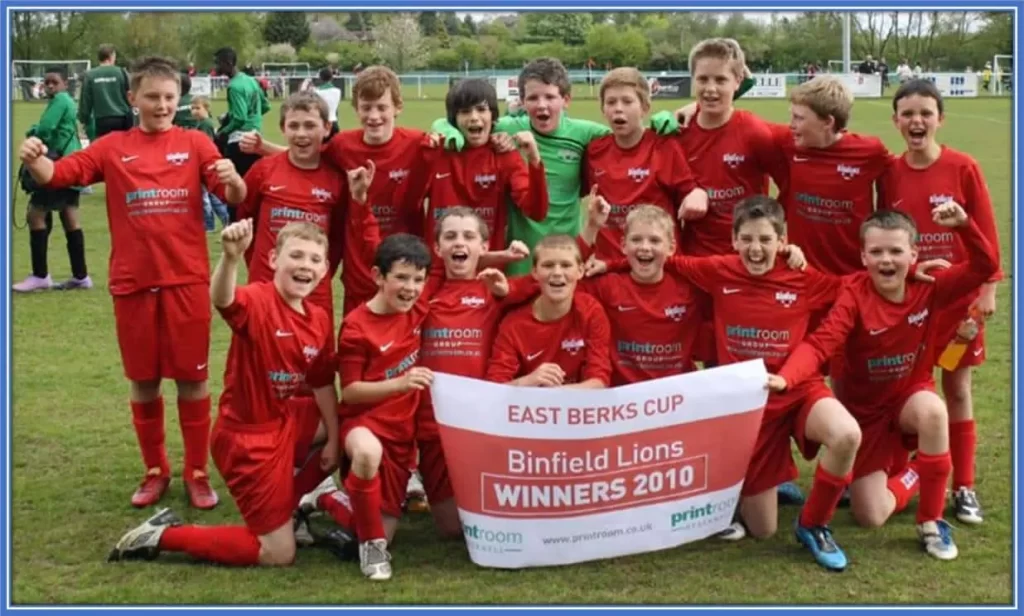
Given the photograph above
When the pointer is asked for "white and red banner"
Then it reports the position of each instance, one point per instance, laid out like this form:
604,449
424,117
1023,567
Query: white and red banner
558,476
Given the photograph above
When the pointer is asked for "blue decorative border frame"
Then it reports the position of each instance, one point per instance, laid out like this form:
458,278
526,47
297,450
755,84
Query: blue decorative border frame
6,188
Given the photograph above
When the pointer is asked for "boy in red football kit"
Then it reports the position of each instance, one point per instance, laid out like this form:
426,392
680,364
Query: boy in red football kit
378,351
883,327
927,175
762,307
562,338
159,264
634,166
478,177
279,343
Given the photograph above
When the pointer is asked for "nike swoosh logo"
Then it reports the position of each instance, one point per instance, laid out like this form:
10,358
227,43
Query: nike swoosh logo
800,159
598,172
730,291
282,334
441,176
276,188
897,203
201,366
128,159
875,332
626,308
979,352
534,356
385,347
693,159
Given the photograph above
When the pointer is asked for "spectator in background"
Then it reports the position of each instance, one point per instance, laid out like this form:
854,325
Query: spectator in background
103,106
903,71
332,96
191,69
883,71
199,109
917,70
868,66
183,116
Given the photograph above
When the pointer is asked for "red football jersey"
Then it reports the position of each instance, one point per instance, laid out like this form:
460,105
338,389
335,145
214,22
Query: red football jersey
275,352
396,196
653,172
458,333
954,176
578,342
154,203
279,193
483,180
379,347
757,317
884,345
653,326
731,162
828,193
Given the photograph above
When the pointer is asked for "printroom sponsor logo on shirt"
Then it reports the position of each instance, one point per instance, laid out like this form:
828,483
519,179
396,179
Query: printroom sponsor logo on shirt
149,201
285,214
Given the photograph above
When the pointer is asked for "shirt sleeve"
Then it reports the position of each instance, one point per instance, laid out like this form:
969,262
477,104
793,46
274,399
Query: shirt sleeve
979,208
822,288
961,279
321,371
451,135
528,185
504,364
250,207
49,124
85,101
238,109
352,358
702,272
770,157
520,289
208,155
675,173
241,310
81,168
806,359
597,364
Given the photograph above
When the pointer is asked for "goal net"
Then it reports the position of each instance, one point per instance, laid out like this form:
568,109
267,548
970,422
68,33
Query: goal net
1002,75
290,69
27,76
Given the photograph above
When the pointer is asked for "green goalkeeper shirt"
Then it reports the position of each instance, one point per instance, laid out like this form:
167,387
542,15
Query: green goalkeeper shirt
104,94
247,104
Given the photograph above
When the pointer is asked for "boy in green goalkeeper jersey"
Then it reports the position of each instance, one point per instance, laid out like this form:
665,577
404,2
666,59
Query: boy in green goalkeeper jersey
103,106
545,90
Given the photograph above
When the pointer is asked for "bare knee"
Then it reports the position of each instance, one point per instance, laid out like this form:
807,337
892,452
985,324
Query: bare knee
956,386
365,451
932,418
868,516
845,438
277,555
145,391
192,390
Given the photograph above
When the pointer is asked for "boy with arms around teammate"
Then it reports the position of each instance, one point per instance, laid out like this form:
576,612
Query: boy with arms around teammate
925,176
884,326
280,343
159,265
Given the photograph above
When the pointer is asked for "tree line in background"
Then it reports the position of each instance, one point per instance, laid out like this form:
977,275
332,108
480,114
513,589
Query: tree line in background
440,41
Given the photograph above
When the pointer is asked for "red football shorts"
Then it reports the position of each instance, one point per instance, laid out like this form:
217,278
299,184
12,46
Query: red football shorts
882,436
434,471
395,462
256,462
307,422
785,417
164,333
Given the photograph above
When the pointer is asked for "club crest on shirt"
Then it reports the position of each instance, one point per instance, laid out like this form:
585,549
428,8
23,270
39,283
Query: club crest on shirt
310,352
398,175
177,158
675,313
937,200
733,160
918,318
638,174
848,172
573,345
472,301
786,298
568,156
322,195
485,179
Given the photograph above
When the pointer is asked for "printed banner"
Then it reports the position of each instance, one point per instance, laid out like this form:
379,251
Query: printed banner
768,86
862,86
954,85
669,87
558,476
202,86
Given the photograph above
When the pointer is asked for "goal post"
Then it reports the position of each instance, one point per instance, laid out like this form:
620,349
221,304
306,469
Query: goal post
1002,74
27,76
296,69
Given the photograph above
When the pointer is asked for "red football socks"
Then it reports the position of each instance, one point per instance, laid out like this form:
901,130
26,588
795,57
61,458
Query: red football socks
308,476
225,545
194,416
963,442
338,505
904,485
366,502
934,472
148,418
823,499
